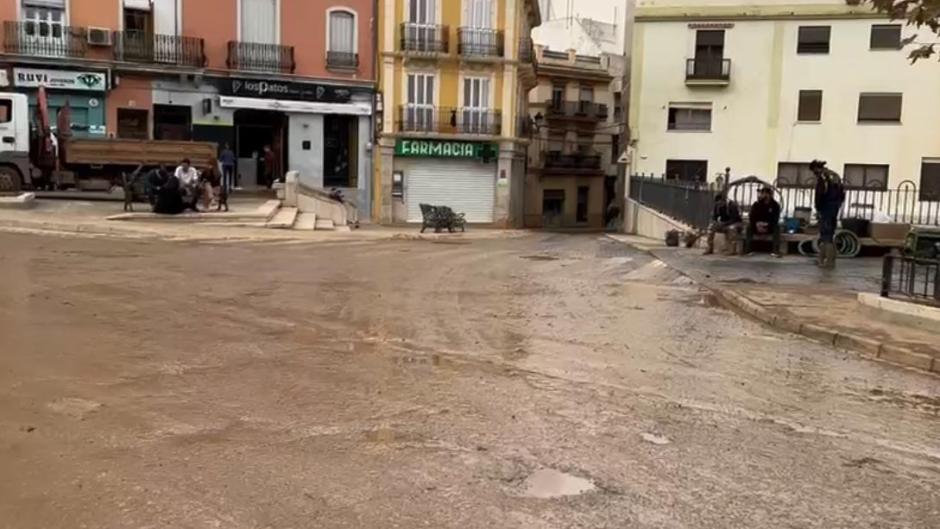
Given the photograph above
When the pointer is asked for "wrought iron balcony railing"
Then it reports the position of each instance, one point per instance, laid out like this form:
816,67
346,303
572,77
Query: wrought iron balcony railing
445,120
136,46
44,39
479,42
260,57
424,38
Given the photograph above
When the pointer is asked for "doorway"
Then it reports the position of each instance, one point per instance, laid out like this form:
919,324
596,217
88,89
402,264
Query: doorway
258,132
172,122
553,208
340,156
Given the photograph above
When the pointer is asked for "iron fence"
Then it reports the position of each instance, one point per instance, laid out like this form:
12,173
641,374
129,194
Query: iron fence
260,57
477,42
708,69
576,109
422,118
911,279
581,162
137,46
426,38
341,59
688,202
44,39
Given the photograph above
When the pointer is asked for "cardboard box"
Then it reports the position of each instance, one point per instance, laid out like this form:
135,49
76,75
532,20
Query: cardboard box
891,232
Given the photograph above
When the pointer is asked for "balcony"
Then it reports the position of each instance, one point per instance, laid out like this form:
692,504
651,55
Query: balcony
443,120
135,46
44,39
578,163
708,72
425,38
477,42
576,110
526,51
342,60
253,56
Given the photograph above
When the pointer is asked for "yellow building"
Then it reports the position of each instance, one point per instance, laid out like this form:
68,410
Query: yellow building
453,79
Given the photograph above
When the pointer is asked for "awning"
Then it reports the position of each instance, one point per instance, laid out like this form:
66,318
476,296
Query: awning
143,5
306,107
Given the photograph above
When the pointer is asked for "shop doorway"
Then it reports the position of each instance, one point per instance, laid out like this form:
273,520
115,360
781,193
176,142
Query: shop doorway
340,157
172,122
553,208
260,137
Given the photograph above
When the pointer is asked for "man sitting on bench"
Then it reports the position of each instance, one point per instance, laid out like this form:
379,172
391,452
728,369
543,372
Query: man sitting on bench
726,219
764,219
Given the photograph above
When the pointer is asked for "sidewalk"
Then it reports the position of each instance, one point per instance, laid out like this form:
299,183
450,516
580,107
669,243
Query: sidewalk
88,218
793,295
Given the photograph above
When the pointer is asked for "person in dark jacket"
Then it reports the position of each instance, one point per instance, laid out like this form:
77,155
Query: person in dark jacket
830,195
764,219
726,219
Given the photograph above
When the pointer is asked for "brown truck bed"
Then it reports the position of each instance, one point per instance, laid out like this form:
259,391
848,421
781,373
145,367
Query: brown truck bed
115,151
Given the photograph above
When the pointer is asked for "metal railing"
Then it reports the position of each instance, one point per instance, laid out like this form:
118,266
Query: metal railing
425,38
342,59
260,57
44,39
576,109
708,70
526,50
911,279
903,204
580,162
422,118
479,42
135,46
688,202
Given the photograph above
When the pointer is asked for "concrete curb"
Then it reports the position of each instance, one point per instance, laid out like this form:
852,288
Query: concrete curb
890,353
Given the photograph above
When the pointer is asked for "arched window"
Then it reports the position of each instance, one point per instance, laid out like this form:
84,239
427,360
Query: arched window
342,32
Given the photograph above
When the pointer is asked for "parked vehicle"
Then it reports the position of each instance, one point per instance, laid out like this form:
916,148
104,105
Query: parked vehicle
36,157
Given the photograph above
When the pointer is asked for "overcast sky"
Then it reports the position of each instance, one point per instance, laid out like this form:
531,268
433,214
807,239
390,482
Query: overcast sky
597,9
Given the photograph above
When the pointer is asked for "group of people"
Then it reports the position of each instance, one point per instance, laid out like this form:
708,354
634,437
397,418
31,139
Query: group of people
186,187
764,216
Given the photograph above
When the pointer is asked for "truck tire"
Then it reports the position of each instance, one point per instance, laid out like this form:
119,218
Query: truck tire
10,179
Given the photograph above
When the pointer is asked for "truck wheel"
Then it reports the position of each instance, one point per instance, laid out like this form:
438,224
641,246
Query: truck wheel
9,180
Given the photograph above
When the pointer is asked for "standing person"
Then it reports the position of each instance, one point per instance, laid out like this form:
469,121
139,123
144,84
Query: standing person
210,183
267,159
726,218
228,168
830,195
764,219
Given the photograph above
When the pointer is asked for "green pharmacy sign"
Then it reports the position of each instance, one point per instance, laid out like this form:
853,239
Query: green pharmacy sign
444,149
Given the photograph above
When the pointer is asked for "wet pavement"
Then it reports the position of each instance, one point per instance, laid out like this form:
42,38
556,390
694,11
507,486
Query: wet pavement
545,381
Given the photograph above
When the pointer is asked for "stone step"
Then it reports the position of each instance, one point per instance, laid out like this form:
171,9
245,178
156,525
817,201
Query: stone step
325,224
306,221
283,219
343,228
269,209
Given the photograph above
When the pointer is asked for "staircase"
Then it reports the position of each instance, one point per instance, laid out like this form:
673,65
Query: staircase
304,208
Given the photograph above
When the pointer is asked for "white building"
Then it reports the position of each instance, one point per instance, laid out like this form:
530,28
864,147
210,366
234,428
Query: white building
764,87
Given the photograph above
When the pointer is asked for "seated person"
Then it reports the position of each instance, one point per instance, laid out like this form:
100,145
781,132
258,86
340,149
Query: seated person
169,199
726,218
210,182
188,178
764,219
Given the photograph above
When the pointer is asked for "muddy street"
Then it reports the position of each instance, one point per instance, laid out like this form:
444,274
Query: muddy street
543,381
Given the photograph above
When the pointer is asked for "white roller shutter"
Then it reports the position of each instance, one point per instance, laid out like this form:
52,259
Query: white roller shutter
467,186
143,5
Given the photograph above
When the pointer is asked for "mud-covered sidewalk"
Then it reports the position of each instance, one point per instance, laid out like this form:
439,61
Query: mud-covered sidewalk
793,295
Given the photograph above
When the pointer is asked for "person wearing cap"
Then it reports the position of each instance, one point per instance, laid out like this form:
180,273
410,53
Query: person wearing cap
829,198
764,219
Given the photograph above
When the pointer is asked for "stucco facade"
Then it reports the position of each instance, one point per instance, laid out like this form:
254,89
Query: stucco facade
764,60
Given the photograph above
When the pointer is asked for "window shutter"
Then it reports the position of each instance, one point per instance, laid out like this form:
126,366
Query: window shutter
142,5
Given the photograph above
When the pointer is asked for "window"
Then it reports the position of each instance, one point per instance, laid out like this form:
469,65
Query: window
581,215
585,143
587,94
558,96
419,111
478,14
172,122
476,106
879,108
422,32
615,148
342,32
6,110
259,21
709,44
886,37
132,123
813,39
795,174
810,107
930,180
690,117
688,170
43,22
866,176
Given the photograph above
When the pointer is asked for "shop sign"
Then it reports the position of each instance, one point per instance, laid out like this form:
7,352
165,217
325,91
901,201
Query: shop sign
444,149
284,90
59,79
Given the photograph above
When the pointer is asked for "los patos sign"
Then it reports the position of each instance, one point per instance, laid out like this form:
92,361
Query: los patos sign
285,90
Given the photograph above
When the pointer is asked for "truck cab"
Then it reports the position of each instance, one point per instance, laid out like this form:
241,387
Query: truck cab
14,142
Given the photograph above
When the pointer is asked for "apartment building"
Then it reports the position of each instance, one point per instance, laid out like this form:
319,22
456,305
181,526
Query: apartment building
573,156
453,77
764,88
294,75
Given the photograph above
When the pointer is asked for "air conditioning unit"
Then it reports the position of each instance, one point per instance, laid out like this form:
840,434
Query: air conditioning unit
99,36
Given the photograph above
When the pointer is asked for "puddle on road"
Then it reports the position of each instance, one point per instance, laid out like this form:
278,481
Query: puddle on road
548,483
539,257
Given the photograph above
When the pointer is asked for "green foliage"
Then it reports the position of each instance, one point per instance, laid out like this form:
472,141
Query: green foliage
917,13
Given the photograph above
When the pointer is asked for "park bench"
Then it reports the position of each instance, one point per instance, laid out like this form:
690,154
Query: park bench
441,218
